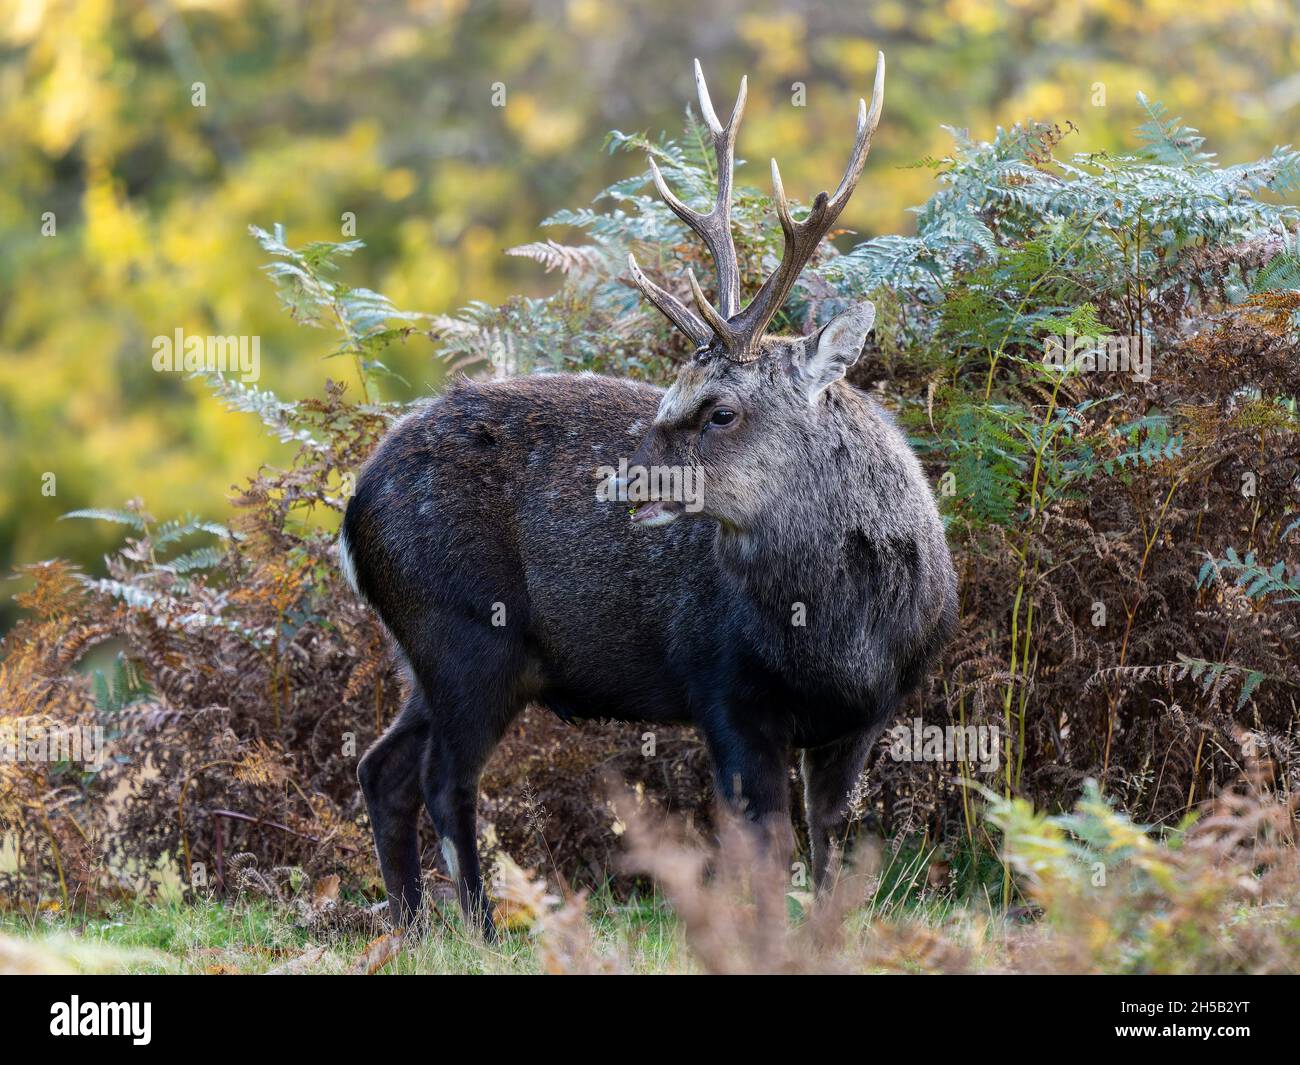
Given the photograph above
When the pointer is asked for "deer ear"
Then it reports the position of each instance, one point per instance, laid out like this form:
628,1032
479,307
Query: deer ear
830,351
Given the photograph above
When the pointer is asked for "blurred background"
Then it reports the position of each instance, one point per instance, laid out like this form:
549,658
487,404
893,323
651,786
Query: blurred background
124,207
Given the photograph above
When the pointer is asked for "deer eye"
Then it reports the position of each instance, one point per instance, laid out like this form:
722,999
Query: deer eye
722,416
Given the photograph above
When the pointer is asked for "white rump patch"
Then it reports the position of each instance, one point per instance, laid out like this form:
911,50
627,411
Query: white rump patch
346,564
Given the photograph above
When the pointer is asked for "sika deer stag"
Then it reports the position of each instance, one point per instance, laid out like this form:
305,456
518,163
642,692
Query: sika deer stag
790,605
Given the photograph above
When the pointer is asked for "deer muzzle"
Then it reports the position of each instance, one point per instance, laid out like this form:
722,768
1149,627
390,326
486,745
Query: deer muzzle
657,513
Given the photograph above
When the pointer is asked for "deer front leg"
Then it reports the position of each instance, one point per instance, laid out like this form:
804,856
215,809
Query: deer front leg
751,774
829,774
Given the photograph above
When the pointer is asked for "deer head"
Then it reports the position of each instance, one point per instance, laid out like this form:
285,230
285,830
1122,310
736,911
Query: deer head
749,408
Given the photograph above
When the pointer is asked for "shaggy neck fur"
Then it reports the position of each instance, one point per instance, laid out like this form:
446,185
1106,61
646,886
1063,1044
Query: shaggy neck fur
806,567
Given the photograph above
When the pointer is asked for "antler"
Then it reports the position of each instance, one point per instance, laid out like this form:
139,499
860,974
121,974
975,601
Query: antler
802,238
739,333
714,228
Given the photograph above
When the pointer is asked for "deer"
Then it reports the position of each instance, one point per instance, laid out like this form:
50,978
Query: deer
791,608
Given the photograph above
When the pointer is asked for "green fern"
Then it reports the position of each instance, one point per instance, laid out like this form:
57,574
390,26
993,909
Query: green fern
1213,677
364,319
1275,582
1167,141
1282,271
121,517
123,686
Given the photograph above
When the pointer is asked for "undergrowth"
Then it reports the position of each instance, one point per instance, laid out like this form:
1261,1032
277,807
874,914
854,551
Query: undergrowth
1102,894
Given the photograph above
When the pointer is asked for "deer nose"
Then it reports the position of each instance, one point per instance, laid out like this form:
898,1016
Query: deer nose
650,452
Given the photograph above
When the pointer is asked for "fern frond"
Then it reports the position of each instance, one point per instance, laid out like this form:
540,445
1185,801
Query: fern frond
566,258
120,517
1168,141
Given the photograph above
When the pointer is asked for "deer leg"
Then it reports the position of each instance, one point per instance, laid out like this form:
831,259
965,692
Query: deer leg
465,732
751,774
829,774
389,774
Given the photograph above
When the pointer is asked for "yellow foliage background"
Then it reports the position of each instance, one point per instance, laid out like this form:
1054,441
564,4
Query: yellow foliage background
385,109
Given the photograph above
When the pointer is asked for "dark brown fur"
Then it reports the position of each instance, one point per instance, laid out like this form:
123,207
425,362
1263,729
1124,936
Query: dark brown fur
477,535
790,603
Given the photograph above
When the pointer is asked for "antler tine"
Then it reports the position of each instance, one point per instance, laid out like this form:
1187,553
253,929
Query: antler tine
867,123
720,326
714,228
670,306
802,238
706,102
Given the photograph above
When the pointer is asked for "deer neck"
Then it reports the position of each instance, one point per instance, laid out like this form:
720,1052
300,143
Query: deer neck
797,561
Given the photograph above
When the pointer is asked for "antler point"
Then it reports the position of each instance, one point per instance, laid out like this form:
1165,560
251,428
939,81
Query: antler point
738,331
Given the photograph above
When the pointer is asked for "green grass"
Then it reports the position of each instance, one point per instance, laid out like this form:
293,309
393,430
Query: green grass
203,935
169,933
206,936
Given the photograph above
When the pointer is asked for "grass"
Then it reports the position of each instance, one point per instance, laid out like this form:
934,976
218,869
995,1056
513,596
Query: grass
215,938
1096,892
203,935
249,937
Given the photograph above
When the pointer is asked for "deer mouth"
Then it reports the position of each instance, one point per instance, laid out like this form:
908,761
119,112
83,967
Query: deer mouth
656,513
